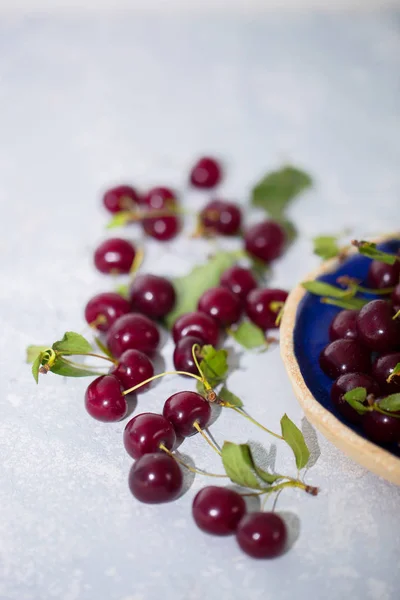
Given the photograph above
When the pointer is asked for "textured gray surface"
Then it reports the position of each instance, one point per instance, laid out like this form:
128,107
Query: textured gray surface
88,101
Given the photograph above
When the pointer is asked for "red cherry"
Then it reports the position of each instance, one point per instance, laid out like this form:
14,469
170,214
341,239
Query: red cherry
262,535
160,197
222,305
266,240
221,217
183,356
104,400
162,229
146,432
133,331
239,280
114,256
152,295
133,367
122,197
260,307
218,510
183,409
206,173
104,309
155,478
196,324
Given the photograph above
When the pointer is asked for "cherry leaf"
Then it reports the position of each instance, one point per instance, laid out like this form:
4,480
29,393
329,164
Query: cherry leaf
295,439
72,343
248,335
120,219
102,347
320,288
348,303
226,396
390,403
326,246
358,394
214,366
369,249
239,466
33,351
36,366
64,368
274,192
123,290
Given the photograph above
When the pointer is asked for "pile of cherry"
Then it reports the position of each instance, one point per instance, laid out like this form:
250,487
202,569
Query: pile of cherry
130,327
363,353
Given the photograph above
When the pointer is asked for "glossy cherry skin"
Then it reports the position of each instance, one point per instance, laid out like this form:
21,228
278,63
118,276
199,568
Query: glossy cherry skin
221,217
152,296
133,331
162,229
159,197
396,298
239,280
265,241
122,197
259,309
381,275
183,409
155,478
133,367
344,356
104,400
104,309
218,510
344,326
222,305
206,173
114,256
380,428
376,327
196,324
183,357
146,432
382,368
346,383
262,535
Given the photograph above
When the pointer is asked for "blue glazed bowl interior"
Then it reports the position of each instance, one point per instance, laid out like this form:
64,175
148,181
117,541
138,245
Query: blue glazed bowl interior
311,332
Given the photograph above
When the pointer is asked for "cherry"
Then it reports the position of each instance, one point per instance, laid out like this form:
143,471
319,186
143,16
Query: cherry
206,173
346,383
380,428
114,256
376,327
183,409
262,535
344,326
160,197
146,432
162,229
221,217
104,309
381,275
396,298
239,280
382,369
133,331
133,367
104,400
218,510
155,478
266,240
183,357
123,197
344,356
221,304
196,324
152,295
260,306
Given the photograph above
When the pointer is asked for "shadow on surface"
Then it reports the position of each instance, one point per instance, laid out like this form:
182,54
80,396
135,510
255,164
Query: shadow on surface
311,439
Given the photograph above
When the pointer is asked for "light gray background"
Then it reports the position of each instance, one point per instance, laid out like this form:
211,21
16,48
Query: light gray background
86,101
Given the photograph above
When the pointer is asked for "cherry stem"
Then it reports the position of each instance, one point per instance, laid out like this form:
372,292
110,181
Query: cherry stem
196,348
205,436
397,315
188,467
249,418
139,385
309,489
90,354
353,284
82,365
384,412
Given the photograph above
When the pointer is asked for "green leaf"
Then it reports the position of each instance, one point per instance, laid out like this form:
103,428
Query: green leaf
72,343
369,249
320,288
33,351
390,403
295,439
358,394
123,290
326,246
103,348
248,335
36,366
214,364
120,219
278,188
348,303
189,288
62,367
239,466
290,230
227,396
265,476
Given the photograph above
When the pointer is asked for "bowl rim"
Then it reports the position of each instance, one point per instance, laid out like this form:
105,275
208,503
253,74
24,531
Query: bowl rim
366,453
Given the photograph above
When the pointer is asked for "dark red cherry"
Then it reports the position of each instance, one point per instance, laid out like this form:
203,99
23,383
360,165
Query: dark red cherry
133,331
380,428
183,357
183,409
344,356
383,368
152,295
196,324
162,229
104,309
104,400
206,173
262,535
133,367
218,510
114,256
221,217
346,383
376,327
146,432
122,197
265,241
396,298
155,478
381,275
344,326
239,280
159,198
264,305
222,305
